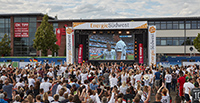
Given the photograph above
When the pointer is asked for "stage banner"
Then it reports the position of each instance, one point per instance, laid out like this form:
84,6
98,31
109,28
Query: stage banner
58,36
69,45
141,53
80,53
110,25
152,45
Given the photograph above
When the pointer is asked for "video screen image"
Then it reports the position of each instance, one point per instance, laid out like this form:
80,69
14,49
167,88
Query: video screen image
111,47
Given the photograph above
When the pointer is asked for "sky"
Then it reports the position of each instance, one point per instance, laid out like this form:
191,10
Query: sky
96,9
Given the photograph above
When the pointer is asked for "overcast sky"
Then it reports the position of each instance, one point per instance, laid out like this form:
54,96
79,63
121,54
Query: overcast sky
90,9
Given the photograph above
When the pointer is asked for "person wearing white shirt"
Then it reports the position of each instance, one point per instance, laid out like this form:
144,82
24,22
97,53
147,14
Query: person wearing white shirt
63,68
120,48
113,80
168,80
3,78
50,98
123,77
19,84
59,87
108,54
137,78
45,85
186,87
50,74
165,94
123,88
84,76
31,81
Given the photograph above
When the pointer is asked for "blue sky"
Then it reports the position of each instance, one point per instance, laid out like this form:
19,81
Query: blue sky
90,9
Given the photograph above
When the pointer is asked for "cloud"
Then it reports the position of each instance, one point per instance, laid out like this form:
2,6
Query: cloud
71,9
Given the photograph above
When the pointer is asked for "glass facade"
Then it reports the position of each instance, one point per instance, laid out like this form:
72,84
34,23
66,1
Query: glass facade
4,27
24,46
170,25
174,41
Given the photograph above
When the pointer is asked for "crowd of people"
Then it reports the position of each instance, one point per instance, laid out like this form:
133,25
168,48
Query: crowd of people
103,83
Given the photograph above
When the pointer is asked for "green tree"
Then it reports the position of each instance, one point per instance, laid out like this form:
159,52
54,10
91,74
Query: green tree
45,38
197,42
5,48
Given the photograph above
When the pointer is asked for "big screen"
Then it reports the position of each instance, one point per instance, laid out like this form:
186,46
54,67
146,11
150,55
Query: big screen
111,47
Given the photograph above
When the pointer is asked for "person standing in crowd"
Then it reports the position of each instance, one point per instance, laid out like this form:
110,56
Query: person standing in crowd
45,85
181,81
165,94
186,87
8,88
168,79
174,80
157,77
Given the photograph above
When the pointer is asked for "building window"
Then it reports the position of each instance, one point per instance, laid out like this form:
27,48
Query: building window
188,25
163,24
25,19
175,41
163,41
175,24
181,40
157,41
2,21
169,24
33,19
198,24
157,23
169,41
151,23
194,24
4,27
181,24
55,25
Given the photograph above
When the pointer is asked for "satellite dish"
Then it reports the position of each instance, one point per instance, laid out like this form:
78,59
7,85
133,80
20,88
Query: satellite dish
191,48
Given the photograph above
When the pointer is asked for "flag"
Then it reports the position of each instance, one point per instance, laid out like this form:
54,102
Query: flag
30,60
35,60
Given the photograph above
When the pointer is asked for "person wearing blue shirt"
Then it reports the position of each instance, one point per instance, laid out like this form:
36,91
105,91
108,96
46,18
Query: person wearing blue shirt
93,85
157,77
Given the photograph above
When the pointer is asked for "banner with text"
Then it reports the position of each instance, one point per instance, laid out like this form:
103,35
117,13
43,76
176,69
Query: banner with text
80,53
58,36
152,45
69,45
141,53
110,25
21,30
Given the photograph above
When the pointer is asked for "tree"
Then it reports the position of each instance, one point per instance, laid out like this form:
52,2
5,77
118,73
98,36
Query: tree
5,48
197,42
45,38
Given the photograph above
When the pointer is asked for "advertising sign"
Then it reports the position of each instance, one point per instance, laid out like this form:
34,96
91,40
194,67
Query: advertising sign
69,45
58,36
152,45
110,25
80,53
141,53
21,30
